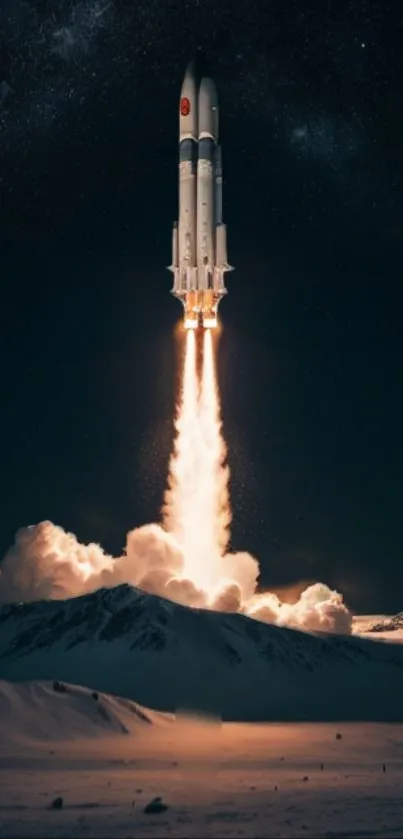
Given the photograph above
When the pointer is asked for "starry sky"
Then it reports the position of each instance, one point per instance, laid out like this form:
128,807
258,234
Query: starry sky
310,353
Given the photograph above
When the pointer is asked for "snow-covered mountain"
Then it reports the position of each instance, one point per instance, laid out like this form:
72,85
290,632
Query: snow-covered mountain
165,656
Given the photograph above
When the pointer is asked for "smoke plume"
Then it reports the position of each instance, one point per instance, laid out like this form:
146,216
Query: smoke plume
185,559
45,562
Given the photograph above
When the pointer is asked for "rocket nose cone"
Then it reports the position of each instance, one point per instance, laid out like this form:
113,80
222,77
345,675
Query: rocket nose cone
191,70
208,93
208,109
189,82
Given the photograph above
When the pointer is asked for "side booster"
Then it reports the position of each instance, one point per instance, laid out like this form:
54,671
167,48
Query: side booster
199,240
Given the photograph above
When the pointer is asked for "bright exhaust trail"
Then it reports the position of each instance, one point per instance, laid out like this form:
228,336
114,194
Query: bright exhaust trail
217,500
179,502
197,500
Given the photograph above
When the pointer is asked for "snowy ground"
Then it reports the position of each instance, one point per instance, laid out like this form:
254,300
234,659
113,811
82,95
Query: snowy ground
223,781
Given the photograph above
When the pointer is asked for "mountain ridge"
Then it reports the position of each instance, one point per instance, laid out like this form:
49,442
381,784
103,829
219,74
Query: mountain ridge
167,656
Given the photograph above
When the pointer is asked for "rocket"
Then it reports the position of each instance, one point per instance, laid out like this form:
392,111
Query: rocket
199,237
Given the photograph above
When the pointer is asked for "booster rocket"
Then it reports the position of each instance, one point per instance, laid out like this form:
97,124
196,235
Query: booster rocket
199,238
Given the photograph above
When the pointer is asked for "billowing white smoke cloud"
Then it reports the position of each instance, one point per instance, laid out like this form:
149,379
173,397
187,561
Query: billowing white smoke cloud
318,609
45,562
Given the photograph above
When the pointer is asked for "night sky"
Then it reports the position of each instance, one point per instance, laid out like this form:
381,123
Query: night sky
310,354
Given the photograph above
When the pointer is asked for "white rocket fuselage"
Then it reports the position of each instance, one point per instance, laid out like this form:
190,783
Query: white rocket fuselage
199,248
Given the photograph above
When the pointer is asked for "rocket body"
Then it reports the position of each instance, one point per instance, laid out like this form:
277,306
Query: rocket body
199,249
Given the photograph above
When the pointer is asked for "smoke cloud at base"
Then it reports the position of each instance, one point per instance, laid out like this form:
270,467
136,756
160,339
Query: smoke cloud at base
45,562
